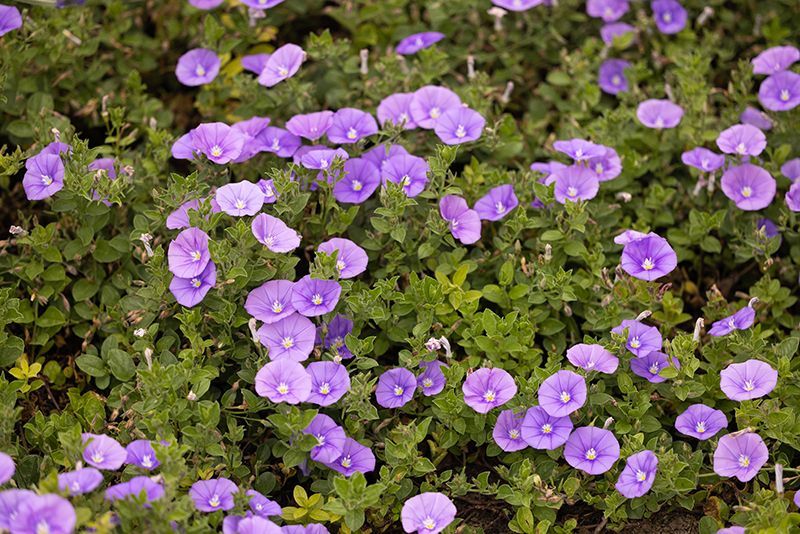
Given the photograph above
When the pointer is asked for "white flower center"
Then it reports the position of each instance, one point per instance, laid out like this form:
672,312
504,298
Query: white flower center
239,204
547,428
352,133
785,95
616,80
460,131
323,163
277,306
283,388
635,343
598,169
667,17
196,255
200,70
749,385
340,265
214,501
654,369
700,427
659,122
648,264
276,144
641,476
75,486
489,396
269,240
590,364
428,523
513,433
427,382
97,457
744,460
499,207
747,191
147,461
398,390
356,185
196,282
572,191
316,300
405,181
287,342
325,388
591,454
741,149
268,191
320,440
283,71
435,112
345,462
565,397
216,151
46,180
42,527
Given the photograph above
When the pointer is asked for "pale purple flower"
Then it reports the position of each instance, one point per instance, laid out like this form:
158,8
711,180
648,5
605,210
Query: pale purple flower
432,379
134,488
268,188
757,118
608,10
751,187
642,339
312,296
465,224
592,358
742,140
747,380
611,76
205,4
10,19
142,454
274,234
700,421
740,455
395,388
37,514
780,91
741,320
280,142
361,179
775,59
591,449
322,158
9,502
188,253
255,63
330,438
103,452
183,147
507,432
218,142
518,5
351,260
262,4
670,16
380,153
335,336
262,506
488,388
329,382
311,126
562,393
271,301
214,494
575,183
579,149
703,159
290,338
283,380
355,458
735,529
7,468
649,258
396,109
44,176
427,513
659,114
429,103
350,125
240,198
615,29
791,169
191,291
650,366
283,63
605,167
541,430
197,67
459,125
418,41
408,171
497,203
257,525
80,481
793,197
638,476
628,236
251,129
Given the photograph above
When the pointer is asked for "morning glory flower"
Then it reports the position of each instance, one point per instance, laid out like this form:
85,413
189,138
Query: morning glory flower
291,338
628,236
103,452
608,10
497,203
638,476
278,141
142,454
282,64
214,494
541,430
44,176
361,179
240,198
418,41
756,118
396,109
751,187
650,366
268,188
575,183
430,103
735,529
659,114
605,167
791,169
562,393
262,4
350,125
579,149
703,159
7,468
311,126
591,449
409,171
322,158
613,30
780,92
507,432
488,388
251,129
355,458
670,16
395,388
769,229
191,291
329,382
427,513
9,502
283,380
642,339
740,455
271,301
334,339
312,296
775,59
742,140
10,19
188,253
218,142
262,506
135,487
274,234
432,379
465,224
257,525
649,258
351,260
611,76
793,197
330,438
255,63
701,422
205,4
37,514
747,380
592,358
459,125
517,5
80,481
741,320
380,153
197,67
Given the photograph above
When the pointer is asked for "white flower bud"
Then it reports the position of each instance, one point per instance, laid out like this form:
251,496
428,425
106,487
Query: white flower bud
191,396
139,332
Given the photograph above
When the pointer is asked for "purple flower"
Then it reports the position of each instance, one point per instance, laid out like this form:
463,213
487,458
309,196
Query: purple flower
700,421
134,488
240,198
188,253
274,234
44,176
380,153
262,4
628,236
355,457
282,64
793,197
36,514
334,340
205,4
10,19
791,169
592,358
638,476
290,338
409,171
642,339
427,513
283,380
271,301
103,452
80,481
257,525
575,183
183,147
395,388
142,454
432,379
741,320
649,258
465,224
517,5
312,296
735,529
322,158
747,380
497,203
311,126
396,109
562,393
218,142
740,455
609,32
611,77
670,16
579,149
255,63
330,437
459,125
350,125
280,142
769,229
591,449
361,179
775,59
329,382
416,42
488,388
507,432
268,188
650,366
197,67
262,506
742,140
608,10
605,167
191,291
430,103
251,129
780,92
659,114
9,502
351,259
214,494
703,159
541,430
751,187
7,468
756,118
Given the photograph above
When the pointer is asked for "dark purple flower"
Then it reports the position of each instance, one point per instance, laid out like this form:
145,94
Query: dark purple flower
742,140
591,449
488,388
7,468
768,227
280,142
329,383
44,176
271,301
562,393
409,171
361,179
747,380
518,5
579,149
134,488
142,454
659,114
497,203
775,59
80,481
703,159
40,514
651,365
197,67
274,234
793,197
642,339
649,258
290,338
311,126
283,63
430,103
427,513
283,380
791,169
592,358
240,198
214,494
380,153
757,118
611,77
255,63
465,224
670,16
780,91
507,432
350,125
355,458
103,452
56,148
741,320
751,187
218,142
700,421
312,296
459,125
188,253
330,437
616,29
432,379
605,167
638,476
396,109
9,502
351,260
416,42
205,4
334,340
575,183
10,19
740,455
395,388
541,430
608,10
262,506
191,291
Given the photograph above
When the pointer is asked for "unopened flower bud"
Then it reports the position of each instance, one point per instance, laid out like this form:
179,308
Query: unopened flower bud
192,396
145,239
18,230
548,253
498,13
644,315
446,345
779,479
148,357
364,54
139,332
698,327
433,344
253,326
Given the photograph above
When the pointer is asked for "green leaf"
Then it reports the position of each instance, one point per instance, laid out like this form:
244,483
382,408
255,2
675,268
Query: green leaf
121,364
91,365
52,317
